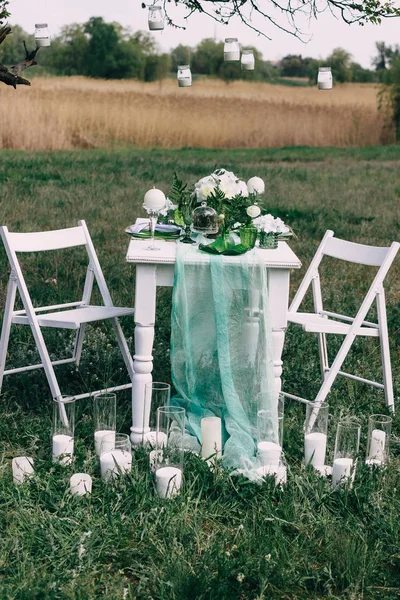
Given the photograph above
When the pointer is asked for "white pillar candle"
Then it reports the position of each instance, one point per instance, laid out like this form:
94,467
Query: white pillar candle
168,481
324,470
80,484
108,445
377,448
114,463
22,468
154,199
63,446
315,448
211,437
269,453
150,438
341,470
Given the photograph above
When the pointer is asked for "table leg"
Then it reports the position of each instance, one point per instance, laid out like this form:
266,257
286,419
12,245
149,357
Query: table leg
145,312
278,338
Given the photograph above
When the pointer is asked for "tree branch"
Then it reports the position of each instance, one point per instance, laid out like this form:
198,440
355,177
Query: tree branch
12,76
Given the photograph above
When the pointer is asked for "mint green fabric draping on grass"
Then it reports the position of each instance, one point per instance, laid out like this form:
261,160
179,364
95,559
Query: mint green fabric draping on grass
221,347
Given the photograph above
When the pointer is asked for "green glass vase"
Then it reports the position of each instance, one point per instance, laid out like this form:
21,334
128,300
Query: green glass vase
248,236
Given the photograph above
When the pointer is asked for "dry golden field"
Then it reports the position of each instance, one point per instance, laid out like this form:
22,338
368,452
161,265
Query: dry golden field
66,113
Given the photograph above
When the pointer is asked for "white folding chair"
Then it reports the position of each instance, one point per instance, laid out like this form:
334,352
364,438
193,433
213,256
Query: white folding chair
72,315
323,322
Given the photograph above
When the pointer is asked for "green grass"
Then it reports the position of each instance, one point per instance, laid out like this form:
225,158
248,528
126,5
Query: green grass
222,537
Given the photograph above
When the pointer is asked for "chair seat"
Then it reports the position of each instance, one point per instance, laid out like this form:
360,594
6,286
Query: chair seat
72,319
313,322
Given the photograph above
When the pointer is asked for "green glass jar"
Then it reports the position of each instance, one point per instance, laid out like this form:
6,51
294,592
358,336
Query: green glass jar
269,239
248,236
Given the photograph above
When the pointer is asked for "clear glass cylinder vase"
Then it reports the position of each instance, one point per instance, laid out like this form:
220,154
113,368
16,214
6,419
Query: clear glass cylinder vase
105,417
315,433
156,394
63,429
346,449
379,430
270,428
169,450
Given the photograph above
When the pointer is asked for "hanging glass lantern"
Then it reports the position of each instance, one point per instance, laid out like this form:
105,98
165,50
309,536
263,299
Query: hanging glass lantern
184,76
324,78
42,34
247,61
156,18
231,50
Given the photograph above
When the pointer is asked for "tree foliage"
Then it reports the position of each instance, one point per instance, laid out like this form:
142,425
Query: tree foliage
283,14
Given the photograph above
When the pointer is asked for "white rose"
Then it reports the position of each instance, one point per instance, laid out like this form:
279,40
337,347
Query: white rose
253,211
256,185
243,189
204,191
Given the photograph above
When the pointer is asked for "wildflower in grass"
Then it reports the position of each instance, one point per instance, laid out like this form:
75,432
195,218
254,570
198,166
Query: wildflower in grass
240,577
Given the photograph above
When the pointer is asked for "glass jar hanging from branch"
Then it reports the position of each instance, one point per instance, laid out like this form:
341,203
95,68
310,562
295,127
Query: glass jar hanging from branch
156,18
247,60
231,50
42,35
184,76
324,78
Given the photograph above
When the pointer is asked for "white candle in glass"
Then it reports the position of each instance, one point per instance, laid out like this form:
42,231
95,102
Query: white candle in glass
154,199
377,448
22,468
211,437
168,481
63,449
150,438
98,438
114,463
80,484
315,448
341,470
269,453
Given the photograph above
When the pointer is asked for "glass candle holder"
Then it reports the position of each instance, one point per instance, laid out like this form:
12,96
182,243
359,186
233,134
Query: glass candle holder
156,394
269,240
324,78
184,76
115,456
154,201
169,450
315,433
247,61
156,18
63,429
42,35
105,417
231,50
379,429
270,428
346,449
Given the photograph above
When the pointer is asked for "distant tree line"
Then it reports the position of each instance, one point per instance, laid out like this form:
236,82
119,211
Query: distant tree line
107,50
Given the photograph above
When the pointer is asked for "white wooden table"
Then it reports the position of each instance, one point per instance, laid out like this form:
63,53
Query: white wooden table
156,268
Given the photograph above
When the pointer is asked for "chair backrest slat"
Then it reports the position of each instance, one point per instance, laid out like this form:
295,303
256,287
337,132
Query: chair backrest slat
357,253
47,240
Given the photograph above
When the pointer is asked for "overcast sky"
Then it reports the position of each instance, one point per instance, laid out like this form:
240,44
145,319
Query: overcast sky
325,34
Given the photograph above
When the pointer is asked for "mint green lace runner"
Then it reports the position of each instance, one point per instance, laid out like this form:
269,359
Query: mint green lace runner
221,346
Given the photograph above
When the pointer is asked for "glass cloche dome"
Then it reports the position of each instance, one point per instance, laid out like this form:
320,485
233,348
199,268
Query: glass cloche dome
205,220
